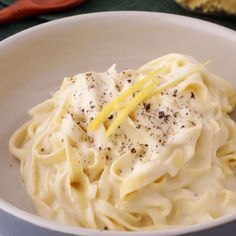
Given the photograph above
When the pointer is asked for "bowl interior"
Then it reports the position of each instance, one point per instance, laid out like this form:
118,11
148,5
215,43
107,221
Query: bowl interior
34,62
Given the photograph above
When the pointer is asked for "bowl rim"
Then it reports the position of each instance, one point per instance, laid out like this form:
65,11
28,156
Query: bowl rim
179,20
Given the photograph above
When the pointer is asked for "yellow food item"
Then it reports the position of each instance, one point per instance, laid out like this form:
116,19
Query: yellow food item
227,6
137,100
178,80
131,106
171,163
114,104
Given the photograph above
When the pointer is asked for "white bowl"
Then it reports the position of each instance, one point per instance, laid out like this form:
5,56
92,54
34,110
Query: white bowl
33,63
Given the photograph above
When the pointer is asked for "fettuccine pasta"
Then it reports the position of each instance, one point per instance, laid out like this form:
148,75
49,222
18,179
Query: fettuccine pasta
142,149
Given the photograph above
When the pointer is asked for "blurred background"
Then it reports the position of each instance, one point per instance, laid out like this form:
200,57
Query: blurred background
89,6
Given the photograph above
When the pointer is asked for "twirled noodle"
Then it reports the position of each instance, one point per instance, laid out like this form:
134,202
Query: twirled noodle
170,163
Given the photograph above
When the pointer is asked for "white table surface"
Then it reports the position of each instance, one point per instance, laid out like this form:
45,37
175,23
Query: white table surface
11,226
